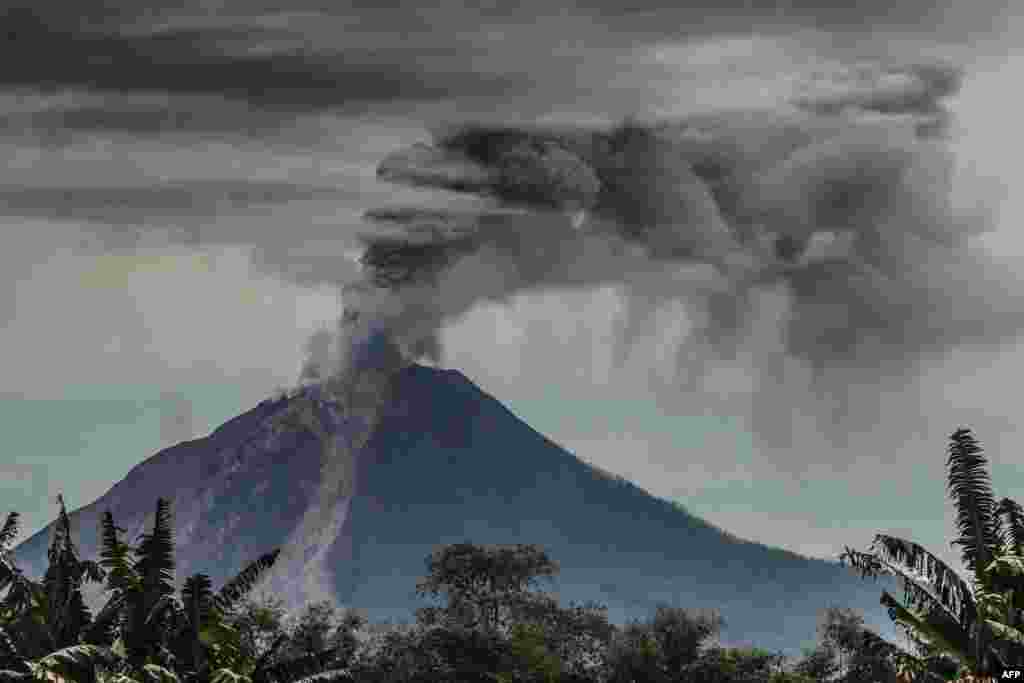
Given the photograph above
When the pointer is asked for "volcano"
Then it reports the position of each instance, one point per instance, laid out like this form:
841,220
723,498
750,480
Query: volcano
448,463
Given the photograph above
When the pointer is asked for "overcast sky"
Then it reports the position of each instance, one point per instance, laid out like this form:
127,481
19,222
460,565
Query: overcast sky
180,198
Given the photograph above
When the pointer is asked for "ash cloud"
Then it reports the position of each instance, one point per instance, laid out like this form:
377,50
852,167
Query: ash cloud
830,218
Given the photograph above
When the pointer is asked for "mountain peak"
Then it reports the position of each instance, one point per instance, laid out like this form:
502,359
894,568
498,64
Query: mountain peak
446,463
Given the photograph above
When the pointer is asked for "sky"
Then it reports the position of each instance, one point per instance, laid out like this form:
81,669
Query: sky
182,201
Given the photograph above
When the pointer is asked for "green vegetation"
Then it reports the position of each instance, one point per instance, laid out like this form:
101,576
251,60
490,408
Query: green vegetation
489,621
144,633
974,628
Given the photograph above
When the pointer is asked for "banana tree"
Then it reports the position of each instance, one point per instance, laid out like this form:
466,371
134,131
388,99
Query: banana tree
187,637
977,622
144,633
15,586
142,612
46,615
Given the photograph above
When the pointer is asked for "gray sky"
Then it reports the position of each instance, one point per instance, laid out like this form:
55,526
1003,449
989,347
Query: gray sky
173,236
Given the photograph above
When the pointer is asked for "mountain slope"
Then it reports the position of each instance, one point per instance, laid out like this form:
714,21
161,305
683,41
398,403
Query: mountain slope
449,463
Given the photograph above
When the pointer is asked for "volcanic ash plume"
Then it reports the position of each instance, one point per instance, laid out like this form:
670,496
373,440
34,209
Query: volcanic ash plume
813,249
817,241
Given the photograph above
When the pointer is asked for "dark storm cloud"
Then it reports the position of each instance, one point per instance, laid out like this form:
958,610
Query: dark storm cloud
746,193
316,55
187,200
658,18
52,53
224,118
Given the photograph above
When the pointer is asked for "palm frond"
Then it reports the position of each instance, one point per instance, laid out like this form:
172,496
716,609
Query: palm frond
1012,516
20,591
903,661
91,571
1008,642
155,554
235,589
103,629
59,577
265,658
163,610
298,668
29,626
115,556
79,662
332,676
928,582
223,644
228,676
76,619
1006,576
1007,633
955,644
9,531
10,656
118,678
197,598
970,488
61,533
158,674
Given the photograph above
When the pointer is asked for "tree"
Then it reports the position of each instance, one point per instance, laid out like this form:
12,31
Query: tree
41,617
665,647
144,632
634,656
819,664
531,659
681,634
11,579
18,591
492,605
320,627
847,651
394,654
735,665
154,584
976,624
483,586
577,635
260,624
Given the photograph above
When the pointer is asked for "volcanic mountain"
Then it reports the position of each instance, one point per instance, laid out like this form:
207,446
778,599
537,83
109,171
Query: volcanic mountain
448,463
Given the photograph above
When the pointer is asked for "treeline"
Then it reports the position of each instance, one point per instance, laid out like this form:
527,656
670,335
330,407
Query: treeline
487,618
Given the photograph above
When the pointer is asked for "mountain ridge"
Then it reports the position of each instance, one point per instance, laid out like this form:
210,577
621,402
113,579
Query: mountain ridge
449,463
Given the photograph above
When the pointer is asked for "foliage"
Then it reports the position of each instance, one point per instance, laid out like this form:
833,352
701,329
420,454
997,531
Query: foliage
530,659
319,627
664,647
45,616
975,624
260,625
734,665
483,586
144,633
847,652
491,623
